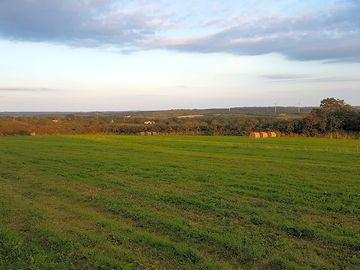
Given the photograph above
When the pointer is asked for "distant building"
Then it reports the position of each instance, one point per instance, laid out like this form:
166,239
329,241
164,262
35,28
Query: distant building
149,122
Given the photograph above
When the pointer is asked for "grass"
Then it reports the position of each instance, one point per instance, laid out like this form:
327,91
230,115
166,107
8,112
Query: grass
127,202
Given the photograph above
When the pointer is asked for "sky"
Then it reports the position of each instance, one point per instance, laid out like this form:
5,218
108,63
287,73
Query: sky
116,55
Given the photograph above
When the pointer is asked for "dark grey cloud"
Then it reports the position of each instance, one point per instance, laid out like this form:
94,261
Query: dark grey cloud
79,23
331,35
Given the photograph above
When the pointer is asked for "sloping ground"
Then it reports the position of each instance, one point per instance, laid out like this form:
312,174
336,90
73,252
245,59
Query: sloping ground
107,202
190,116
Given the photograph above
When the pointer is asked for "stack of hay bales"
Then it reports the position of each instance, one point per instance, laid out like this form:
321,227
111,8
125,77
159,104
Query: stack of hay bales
149,133
263,135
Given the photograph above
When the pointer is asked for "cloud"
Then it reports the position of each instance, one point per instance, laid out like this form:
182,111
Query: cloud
78,23
16,89
291,77
336,79
285,76
329,34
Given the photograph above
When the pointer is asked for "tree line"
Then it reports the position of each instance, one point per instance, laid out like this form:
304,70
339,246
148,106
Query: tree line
332,118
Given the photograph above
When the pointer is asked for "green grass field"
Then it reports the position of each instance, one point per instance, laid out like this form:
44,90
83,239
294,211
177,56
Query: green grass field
127,202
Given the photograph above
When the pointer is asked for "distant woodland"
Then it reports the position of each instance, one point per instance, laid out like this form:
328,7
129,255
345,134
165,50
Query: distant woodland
333,118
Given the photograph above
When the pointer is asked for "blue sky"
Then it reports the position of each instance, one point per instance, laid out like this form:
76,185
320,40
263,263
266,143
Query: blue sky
141,55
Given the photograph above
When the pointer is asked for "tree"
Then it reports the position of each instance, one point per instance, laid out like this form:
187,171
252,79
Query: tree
334,105
331,114
352,121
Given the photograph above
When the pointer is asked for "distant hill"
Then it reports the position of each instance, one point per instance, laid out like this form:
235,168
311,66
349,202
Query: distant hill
36,113
272,110
241,110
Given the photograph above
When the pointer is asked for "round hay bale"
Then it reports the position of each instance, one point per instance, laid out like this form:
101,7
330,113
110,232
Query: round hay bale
255,135
272,135
264,135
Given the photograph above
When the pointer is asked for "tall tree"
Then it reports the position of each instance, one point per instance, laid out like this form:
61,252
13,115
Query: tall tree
332,114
